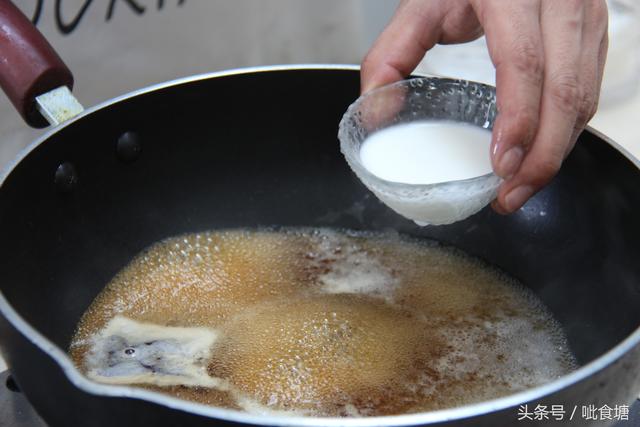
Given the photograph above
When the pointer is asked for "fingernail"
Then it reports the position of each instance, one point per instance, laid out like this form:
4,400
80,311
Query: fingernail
510,162
517,197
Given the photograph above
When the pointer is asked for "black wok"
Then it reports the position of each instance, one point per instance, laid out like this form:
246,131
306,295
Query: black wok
258,147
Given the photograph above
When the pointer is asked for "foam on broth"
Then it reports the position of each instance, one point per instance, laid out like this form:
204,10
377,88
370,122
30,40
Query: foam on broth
319,323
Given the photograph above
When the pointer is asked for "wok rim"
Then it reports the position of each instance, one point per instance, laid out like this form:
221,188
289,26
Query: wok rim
458,413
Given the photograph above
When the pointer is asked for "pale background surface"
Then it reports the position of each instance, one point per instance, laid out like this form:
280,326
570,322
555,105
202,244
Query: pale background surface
130,51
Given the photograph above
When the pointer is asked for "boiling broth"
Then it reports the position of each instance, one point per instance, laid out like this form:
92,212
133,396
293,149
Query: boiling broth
318,322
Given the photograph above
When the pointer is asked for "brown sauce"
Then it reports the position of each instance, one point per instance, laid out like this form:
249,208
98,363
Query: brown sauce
319,323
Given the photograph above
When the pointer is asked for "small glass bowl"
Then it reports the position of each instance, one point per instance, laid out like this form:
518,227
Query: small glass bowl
421,99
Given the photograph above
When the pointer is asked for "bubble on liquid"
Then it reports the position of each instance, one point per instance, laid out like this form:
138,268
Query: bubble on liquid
323,322
302,354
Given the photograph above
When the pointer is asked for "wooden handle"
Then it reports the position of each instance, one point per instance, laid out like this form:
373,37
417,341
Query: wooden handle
28,64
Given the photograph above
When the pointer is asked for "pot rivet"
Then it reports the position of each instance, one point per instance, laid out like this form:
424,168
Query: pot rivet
128,147
66,177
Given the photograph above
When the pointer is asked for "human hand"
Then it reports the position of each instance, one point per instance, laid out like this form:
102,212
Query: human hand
549,57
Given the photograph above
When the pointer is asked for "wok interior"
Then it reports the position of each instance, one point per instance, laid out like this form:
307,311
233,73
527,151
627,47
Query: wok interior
260,149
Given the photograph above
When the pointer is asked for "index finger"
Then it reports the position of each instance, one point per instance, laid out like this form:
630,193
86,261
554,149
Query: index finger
414,29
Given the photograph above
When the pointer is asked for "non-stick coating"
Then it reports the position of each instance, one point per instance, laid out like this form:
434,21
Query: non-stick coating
260,149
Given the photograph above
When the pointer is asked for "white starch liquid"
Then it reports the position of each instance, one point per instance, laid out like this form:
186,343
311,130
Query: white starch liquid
428,152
